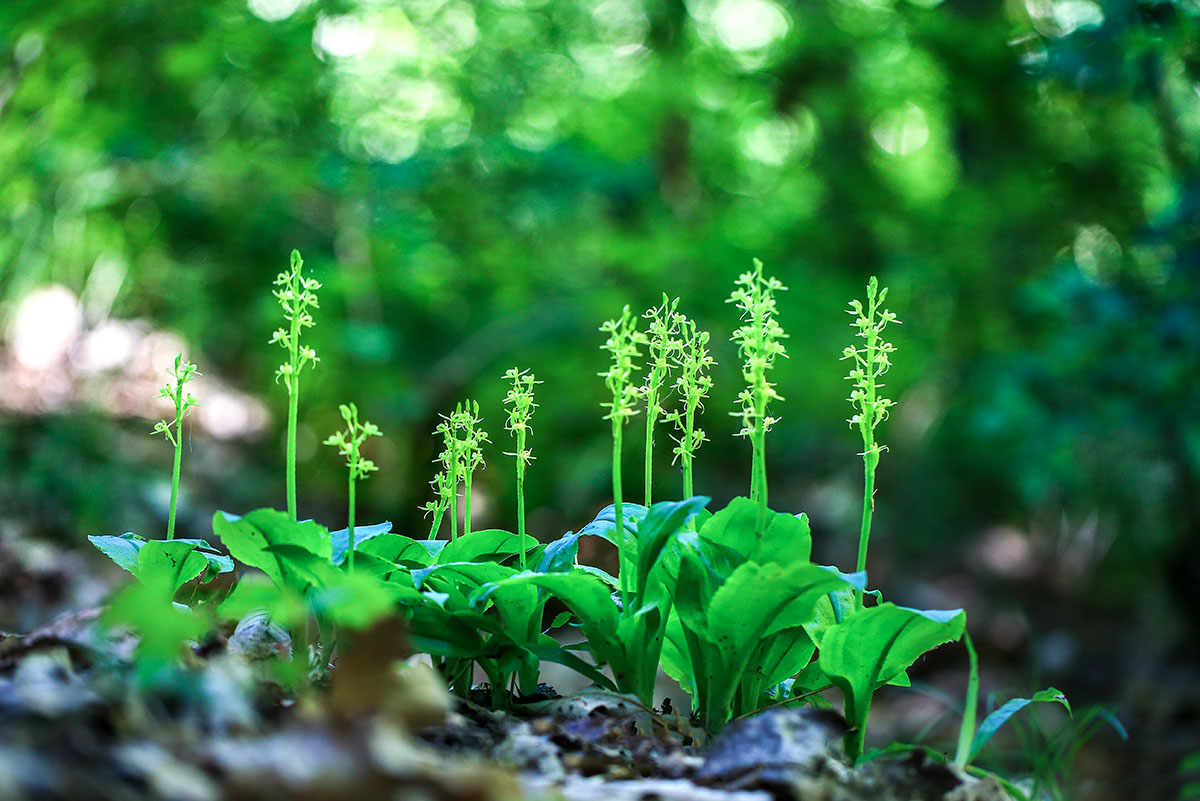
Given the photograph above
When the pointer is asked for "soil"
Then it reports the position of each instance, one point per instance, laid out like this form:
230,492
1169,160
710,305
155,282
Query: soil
80,722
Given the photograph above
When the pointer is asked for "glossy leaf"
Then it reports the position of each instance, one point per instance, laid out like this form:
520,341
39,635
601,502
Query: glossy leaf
340,539
168,565
786,539
992,723
605,523
249,538
123,549
488,544
874,645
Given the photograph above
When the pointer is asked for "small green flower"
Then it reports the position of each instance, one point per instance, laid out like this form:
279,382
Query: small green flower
622,345
759,344
663,346
694,383
758,340
870,361
462,455
297,295
349,442
519,401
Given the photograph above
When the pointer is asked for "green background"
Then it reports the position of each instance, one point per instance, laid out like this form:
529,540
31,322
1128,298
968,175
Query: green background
480,184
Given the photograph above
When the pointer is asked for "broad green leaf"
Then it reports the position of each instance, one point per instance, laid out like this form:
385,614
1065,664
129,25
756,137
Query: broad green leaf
474,574
340,539
655,531
401,550
734,527
992,723
489,544
557,556
676,660
301,567
217,562
781,656
835,606
786,539
872,646
605,523
549,650
248,538
123,549
589,598
759,600
169,565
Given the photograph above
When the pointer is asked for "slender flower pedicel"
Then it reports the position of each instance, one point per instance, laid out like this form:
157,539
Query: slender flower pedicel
622,346
871,360
519,401
662,347
296,295
182,372
759,343
693,385
349,442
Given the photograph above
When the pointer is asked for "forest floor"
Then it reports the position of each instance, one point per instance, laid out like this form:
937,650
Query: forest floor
81,720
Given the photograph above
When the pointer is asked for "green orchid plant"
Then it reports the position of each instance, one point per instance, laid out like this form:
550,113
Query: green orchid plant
349,443
297,296
519,402
183,372
728,603
759,340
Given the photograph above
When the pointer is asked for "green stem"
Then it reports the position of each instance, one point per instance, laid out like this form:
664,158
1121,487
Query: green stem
521,494
858,738
437,522
178,461
293,413
467,502
351,527
685,457
622,552
758,483
453,495
966,734
870,451
870,460
651,403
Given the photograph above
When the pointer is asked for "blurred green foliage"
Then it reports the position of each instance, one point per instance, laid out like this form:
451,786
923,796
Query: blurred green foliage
479,184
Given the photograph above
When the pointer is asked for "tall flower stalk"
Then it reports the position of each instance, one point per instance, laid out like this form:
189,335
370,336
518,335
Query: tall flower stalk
461,456
622,346
297,295
870,359
349,442
520,411
758,340
181,373
662,347
693,362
